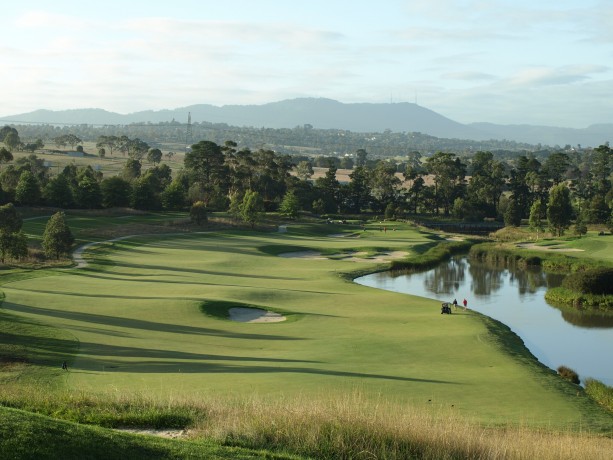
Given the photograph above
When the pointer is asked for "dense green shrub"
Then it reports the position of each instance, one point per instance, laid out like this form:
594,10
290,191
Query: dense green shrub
568,374
564,296
432,256
594,281
599,392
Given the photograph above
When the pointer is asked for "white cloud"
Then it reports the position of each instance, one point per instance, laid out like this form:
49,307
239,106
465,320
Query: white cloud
538,76
469,76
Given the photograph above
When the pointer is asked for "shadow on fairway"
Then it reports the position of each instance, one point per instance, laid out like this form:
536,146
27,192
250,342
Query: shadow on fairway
168,271
166,367
156,281
138,324
42,350
88,351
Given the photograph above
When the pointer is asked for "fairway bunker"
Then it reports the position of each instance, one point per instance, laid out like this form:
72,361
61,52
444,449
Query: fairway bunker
350,256
254,315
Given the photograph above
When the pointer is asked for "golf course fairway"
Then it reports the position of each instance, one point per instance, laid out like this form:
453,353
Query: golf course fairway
147,316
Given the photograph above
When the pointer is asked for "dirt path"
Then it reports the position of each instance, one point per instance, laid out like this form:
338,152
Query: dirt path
77,254
555,248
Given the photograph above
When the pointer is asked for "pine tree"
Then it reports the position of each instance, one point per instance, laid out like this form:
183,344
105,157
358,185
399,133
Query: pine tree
57,237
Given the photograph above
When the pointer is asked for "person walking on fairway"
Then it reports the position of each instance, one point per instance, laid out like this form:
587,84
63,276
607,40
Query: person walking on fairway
455,304
65,366
465,302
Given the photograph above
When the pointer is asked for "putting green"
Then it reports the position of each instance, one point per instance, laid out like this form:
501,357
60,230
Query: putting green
136,314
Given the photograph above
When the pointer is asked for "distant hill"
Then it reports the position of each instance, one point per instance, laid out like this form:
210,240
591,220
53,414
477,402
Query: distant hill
329,114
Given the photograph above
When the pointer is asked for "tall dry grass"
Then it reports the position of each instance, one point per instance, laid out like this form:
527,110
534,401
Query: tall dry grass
350,428
354,428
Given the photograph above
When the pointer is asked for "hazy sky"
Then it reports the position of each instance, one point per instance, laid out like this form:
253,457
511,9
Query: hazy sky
504,61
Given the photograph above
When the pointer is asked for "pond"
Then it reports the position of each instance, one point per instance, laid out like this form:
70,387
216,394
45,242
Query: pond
515,297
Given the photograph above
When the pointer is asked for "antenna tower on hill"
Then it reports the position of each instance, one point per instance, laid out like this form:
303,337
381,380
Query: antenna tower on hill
188,131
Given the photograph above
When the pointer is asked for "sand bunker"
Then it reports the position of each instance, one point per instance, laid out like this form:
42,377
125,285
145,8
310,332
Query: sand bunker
555,248
303,255
171,434
347,257
254,315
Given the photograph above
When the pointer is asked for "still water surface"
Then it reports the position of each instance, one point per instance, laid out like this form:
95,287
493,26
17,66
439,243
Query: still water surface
515,297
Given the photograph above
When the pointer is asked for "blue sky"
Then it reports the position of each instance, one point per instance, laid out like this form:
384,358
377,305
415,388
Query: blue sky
510,62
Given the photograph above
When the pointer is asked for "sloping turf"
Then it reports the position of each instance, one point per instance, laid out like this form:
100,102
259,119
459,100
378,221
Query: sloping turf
138,317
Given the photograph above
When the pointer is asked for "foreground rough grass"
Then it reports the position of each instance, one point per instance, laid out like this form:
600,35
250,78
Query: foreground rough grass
352,427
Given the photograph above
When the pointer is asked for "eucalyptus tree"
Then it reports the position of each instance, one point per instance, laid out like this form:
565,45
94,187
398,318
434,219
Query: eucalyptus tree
5,155
559,209
416,193
154,156
136,149
304,170
270,174
360,156
110,143
384,185
357,195
67,139
449,173
240,165
520,192
486,184
132,169
555,167
12,140
601,166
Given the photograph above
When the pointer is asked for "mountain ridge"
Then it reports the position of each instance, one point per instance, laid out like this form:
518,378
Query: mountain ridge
323,113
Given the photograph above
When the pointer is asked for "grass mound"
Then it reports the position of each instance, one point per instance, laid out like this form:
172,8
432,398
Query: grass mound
29,436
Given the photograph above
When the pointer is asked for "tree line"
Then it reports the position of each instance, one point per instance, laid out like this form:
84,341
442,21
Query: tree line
293,141
244,183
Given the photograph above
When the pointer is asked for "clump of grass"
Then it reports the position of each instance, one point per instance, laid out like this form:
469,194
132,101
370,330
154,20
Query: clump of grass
568,374
599,392
432,256
109,410
510,234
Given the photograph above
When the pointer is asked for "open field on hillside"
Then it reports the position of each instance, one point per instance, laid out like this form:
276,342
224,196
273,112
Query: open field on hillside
109,166
148,316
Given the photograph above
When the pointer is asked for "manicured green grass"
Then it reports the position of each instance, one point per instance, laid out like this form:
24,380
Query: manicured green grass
137,316
595,246
88,226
